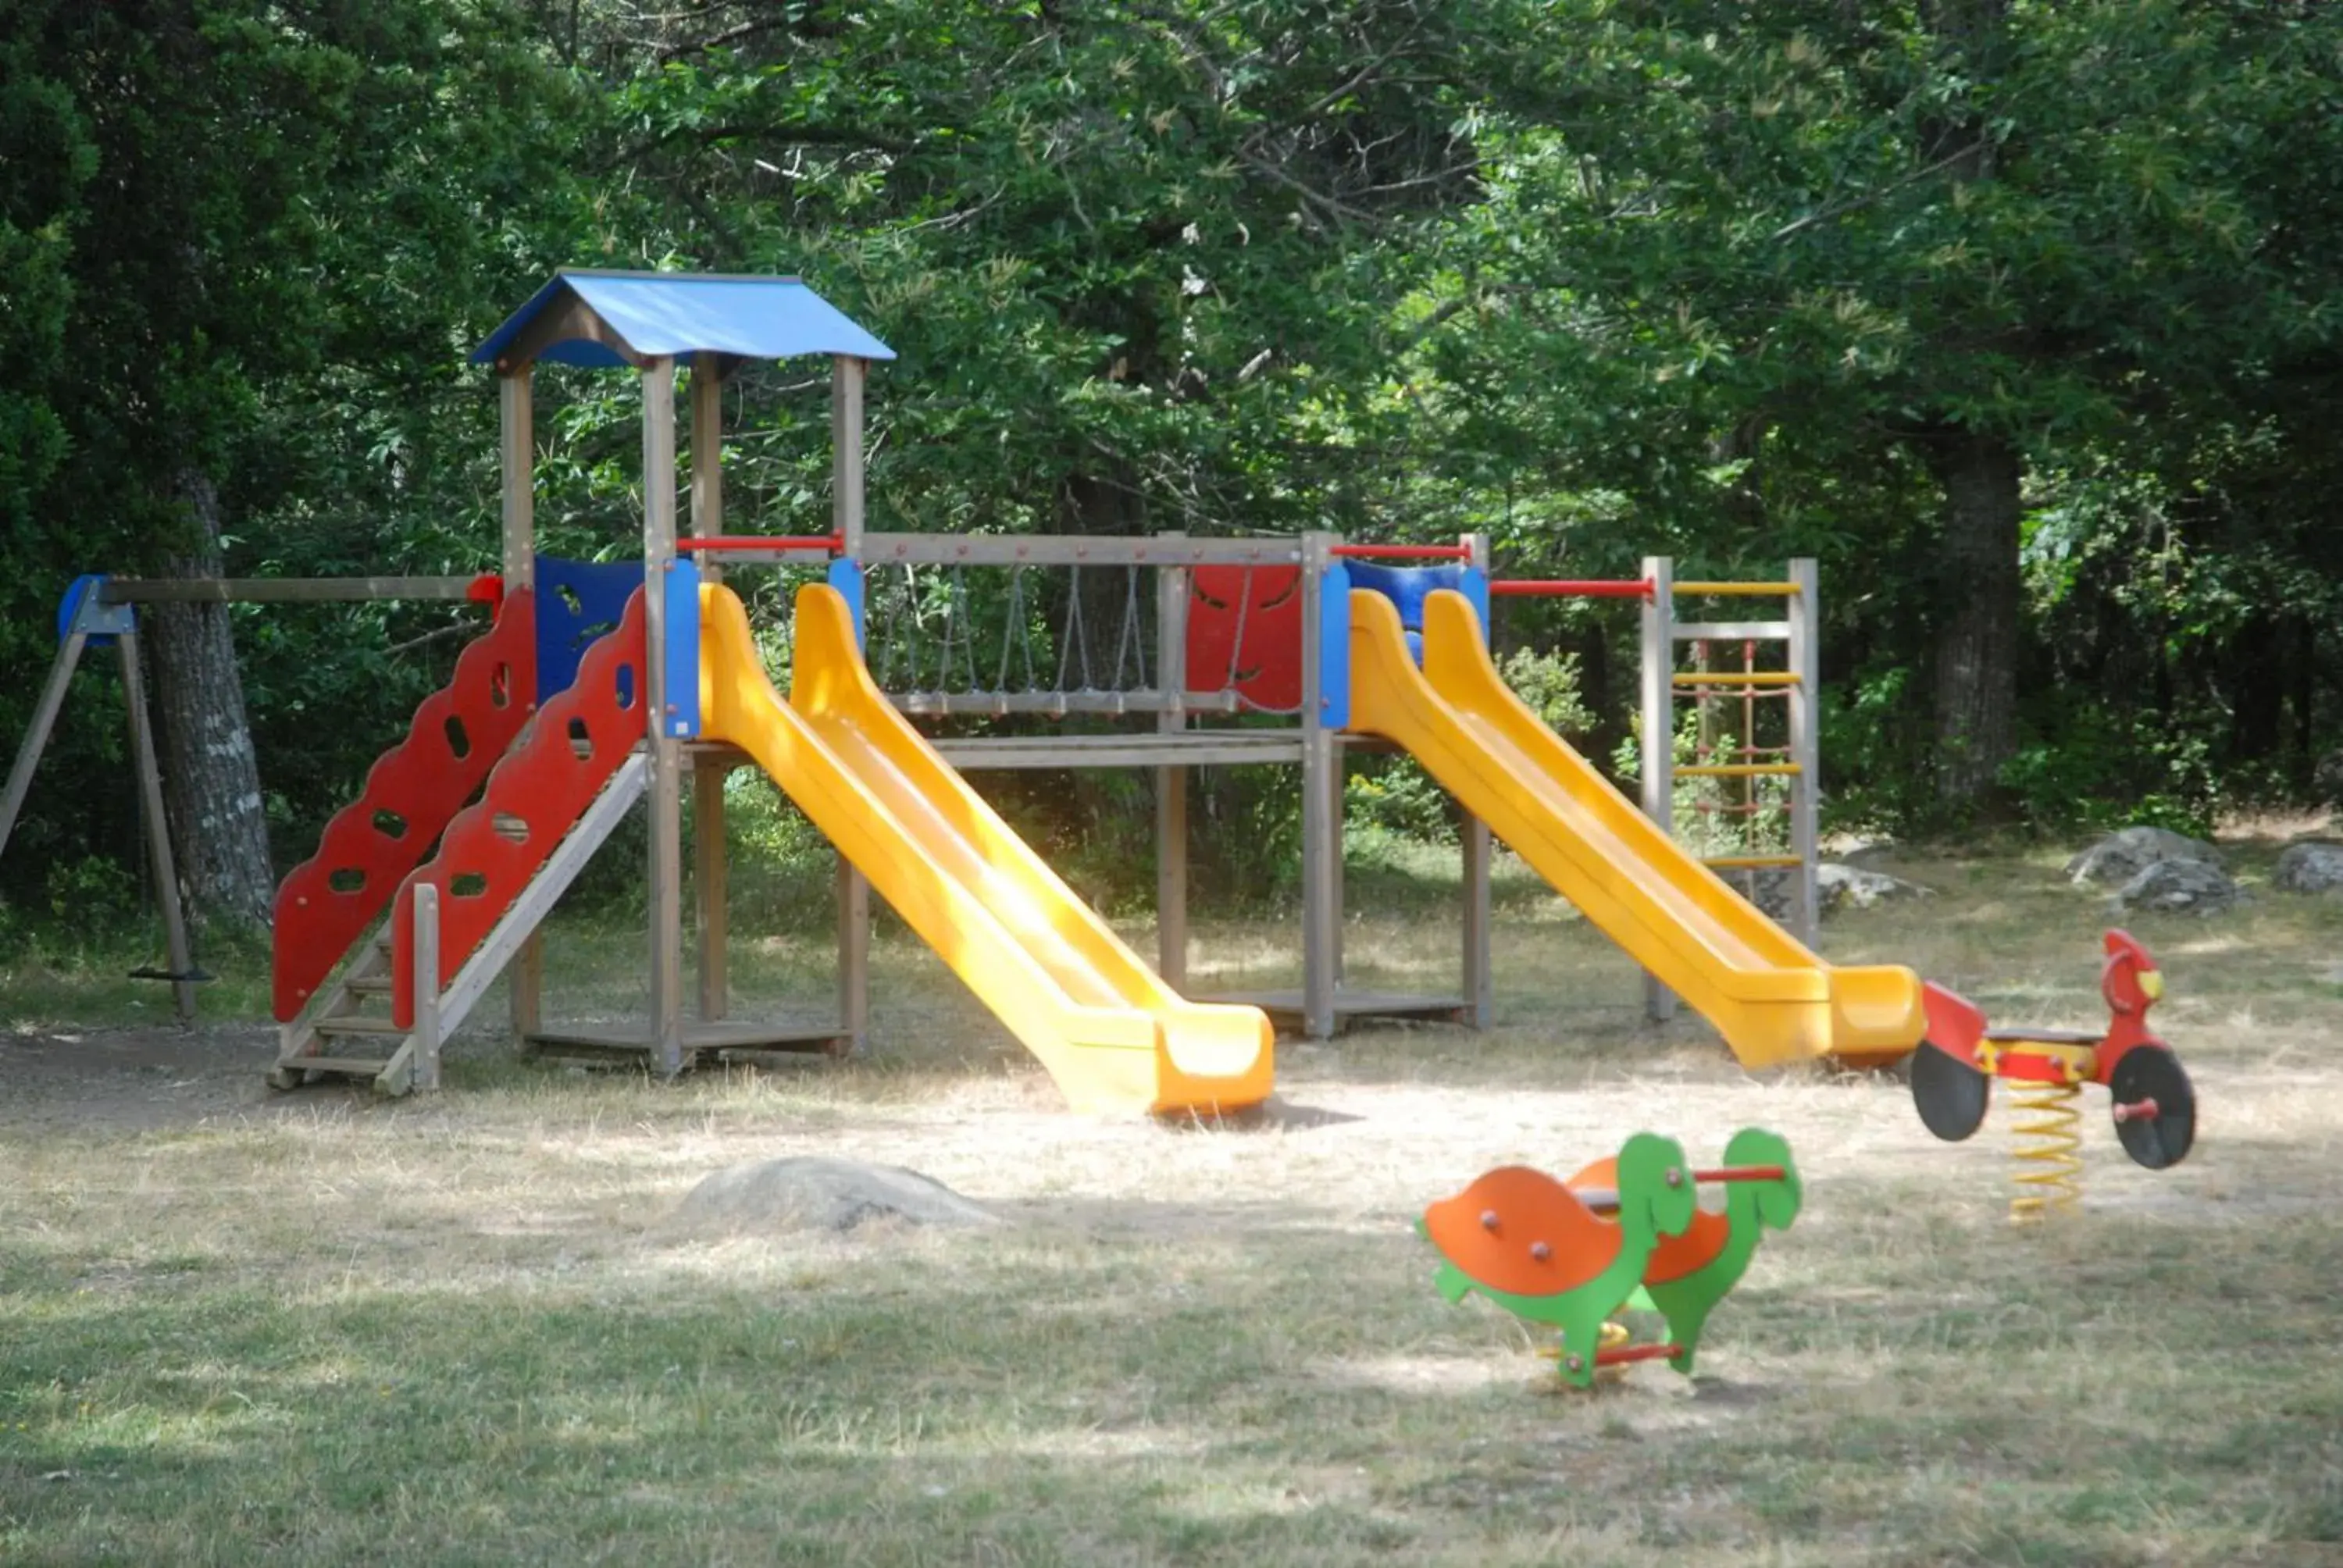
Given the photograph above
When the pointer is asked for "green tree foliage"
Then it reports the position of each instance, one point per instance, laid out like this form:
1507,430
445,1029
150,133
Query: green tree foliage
2023,317
1774,271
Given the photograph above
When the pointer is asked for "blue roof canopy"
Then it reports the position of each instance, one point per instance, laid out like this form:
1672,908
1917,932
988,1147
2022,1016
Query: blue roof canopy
673,314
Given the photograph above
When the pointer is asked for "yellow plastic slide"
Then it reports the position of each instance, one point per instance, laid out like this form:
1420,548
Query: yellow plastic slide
1772,1000
1114,1037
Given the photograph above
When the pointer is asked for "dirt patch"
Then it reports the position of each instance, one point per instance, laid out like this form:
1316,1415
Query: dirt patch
130,1079
813,1192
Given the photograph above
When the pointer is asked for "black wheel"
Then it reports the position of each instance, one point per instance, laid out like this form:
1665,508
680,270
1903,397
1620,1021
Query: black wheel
2163,1139
1950,1095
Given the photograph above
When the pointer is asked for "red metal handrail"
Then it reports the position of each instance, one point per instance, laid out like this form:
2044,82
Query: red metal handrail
1406,552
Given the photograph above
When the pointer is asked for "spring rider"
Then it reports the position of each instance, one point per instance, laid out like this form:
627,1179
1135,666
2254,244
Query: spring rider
2154,1109
1626,1232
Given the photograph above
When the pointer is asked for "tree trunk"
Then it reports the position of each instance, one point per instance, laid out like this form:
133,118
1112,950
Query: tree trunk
211,780
1977,653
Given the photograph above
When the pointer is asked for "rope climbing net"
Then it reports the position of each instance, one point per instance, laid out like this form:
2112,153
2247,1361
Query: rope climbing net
979,639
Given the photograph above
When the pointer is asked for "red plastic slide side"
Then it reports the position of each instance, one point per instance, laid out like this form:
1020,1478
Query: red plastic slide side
1244,632
489,853
412,792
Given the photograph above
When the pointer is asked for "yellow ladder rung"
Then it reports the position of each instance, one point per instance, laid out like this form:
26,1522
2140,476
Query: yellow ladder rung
1734,590
1735,677
1739,771
1751,863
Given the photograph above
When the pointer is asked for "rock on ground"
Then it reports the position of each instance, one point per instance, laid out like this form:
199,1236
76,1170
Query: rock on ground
1837,887
813,1192
2119,857
1854,888
2179,888
2326,779
2309,868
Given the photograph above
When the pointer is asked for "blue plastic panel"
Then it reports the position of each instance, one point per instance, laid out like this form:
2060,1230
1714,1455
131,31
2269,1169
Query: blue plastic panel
1334,646
81,610
1408,587
577,601
846,576
681,716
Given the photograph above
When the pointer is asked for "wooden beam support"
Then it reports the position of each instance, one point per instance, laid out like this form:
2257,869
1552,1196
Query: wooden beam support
665,856
1321,827
36,738
426,1035
1171,782
158,832
854,958
516,454
1658,756
846,381
710,867
278,590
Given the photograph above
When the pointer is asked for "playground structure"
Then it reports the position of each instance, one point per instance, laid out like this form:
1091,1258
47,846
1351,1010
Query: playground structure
2151,1100
598,686
1622,1233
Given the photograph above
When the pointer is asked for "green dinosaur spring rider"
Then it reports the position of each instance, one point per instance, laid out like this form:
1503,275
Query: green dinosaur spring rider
1626,1232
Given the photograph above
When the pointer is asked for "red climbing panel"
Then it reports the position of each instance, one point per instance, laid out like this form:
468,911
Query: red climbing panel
411,793
489,853
1244,631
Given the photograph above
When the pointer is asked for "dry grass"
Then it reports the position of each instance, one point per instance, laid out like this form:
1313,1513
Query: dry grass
313,1328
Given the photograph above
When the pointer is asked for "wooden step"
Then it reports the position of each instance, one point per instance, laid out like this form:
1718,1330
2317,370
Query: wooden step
370,985
352,1024
355,1065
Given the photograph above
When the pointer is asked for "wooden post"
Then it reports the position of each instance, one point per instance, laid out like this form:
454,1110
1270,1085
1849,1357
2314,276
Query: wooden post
516,450
36,738
845,378
1171,783
1480,987
846,383
1659,731
854,958
708,837
665,858
1805,749
158,832
425,1033
1321,827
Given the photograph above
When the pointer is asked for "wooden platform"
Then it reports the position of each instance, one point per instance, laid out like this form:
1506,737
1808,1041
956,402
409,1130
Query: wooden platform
701,1041
1284,1006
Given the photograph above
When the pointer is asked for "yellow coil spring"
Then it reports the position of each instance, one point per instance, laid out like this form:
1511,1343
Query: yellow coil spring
2049,1152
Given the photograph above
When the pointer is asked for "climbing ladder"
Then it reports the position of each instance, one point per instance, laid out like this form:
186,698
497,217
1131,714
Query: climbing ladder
351,1031
1793,679
455,921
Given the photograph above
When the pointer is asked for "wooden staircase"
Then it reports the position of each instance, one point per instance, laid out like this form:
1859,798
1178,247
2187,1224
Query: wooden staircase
346,1032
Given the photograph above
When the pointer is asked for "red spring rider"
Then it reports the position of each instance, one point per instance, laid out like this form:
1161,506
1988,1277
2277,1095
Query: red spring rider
2155,1108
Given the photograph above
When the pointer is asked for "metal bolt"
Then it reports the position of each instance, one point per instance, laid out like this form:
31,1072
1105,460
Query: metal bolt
1488,1218
1676,1176
1540,1251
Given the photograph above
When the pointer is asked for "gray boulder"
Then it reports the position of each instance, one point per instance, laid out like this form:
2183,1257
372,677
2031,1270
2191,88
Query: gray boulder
813,1192
2326,779
2309,868
1837,887
2179,888
1854,888
2118,859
